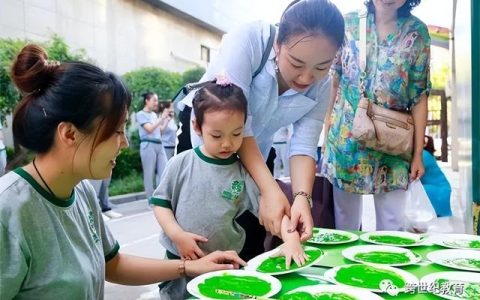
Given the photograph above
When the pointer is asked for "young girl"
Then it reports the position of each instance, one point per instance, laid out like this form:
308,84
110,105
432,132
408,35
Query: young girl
291,88
54,243
204,190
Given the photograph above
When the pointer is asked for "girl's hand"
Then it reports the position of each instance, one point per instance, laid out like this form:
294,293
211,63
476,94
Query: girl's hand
187,247
218,260
291,248
416,168
273,206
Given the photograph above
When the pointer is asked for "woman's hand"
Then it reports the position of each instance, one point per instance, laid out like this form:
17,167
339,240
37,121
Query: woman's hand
273,206
218,260
416,167
301,217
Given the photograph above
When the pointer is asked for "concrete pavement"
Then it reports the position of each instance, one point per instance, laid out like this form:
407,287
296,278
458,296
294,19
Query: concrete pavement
137,234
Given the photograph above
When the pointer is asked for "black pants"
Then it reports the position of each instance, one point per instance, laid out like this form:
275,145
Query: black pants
255,233
184,141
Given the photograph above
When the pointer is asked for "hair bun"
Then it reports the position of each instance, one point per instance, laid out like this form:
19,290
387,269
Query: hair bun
31,70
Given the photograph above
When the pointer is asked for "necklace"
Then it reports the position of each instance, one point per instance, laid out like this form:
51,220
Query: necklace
43,180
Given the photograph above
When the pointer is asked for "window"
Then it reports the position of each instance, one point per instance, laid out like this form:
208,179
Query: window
205,53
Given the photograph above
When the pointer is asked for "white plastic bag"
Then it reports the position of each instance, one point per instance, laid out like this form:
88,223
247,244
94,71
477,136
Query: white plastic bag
419,212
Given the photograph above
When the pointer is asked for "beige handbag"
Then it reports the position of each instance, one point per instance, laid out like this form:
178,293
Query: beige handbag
375,126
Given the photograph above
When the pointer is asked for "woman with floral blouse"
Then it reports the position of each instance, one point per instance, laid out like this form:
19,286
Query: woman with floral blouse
397,77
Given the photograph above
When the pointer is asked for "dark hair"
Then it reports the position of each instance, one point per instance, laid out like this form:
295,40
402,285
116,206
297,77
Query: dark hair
430,146
402,12
146,96
215,97
74,92
312,17
162,105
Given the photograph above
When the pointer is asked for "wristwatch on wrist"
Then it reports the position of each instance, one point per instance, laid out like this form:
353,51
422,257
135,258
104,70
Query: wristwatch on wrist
306,195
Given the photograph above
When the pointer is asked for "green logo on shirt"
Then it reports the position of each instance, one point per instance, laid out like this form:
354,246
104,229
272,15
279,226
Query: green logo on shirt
93,230
236,188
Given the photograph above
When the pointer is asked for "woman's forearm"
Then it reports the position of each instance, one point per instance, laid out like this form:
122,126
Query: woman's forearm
302,172
420,114
253,161
134,270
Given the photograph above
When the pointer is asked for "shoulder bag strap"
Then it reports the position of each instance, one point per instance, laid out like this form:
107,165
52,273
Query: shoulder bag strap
266,52
196,85
363,50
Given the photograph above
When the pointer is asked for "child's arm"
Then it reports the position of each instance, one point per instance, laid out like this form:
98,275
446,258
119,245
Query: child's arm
186,242
292,247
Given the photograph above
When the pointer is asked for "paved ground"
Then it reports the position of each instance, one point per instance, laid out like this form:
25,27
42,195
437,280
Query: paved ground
137,233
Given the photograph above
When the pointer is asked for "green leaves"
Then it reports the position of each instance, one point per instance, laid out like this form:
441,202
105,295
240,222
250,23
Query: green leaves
56,48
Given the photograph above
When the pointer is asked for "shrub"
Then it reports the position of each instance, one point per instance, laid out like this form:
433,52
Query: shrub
192,75
164,83
56,48
126,163
129,184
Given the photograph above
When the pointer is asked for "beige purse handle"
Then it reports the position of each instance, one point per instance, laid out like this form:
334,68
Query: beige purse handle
363,50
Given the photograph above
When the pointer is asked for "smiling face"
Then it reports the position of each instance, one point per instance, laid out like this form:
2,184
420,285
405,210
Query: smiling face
304,59
98,164
222,132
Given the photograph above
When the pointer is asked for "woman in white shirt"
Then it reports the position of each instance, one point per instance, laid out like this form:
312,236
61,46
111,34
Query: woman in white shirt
292,88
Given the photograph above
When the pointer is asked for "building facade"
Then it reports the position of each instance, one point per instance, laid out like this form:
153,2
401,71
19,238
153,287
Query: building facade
118,35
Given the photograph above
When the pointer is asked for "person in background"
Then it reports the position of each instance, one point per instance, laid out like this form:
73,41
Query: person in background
3,152
292,87
169,131
152,152
397,76
101,189
54,243
280,143
197,221
434,182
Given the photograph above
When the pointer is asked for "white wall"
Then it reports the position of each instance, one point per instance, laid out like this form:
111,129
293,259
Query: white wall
463,102
119,35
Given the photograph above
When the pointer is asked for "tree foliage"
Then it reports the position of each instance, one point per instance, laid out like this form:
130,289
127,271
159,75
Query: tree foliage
192,75
164,83
56,48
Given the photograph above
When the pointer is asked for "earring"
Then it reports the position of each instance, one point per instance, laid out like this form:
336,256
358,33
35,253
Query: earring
276,64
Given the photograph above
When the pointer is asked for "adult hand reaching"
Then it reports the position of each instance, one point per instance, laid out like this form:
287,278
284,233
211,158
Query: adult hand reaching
301,218
273,206
215,261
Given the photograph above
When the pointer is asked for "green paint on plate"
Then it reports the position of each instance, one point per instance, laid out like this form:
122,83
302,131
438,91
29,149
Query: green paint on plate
367,277
464,262
457,288
391,240
383,257
234,287
328,237
277,264
319,296
474,244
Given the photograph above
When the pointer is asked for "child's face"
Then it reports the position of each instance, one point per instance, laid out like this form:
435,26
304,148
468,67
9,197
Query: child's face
222,133
100,163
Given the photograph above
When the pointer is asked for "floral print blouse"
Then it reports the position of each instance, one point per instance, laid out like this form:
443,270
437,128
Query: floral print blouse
397,76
